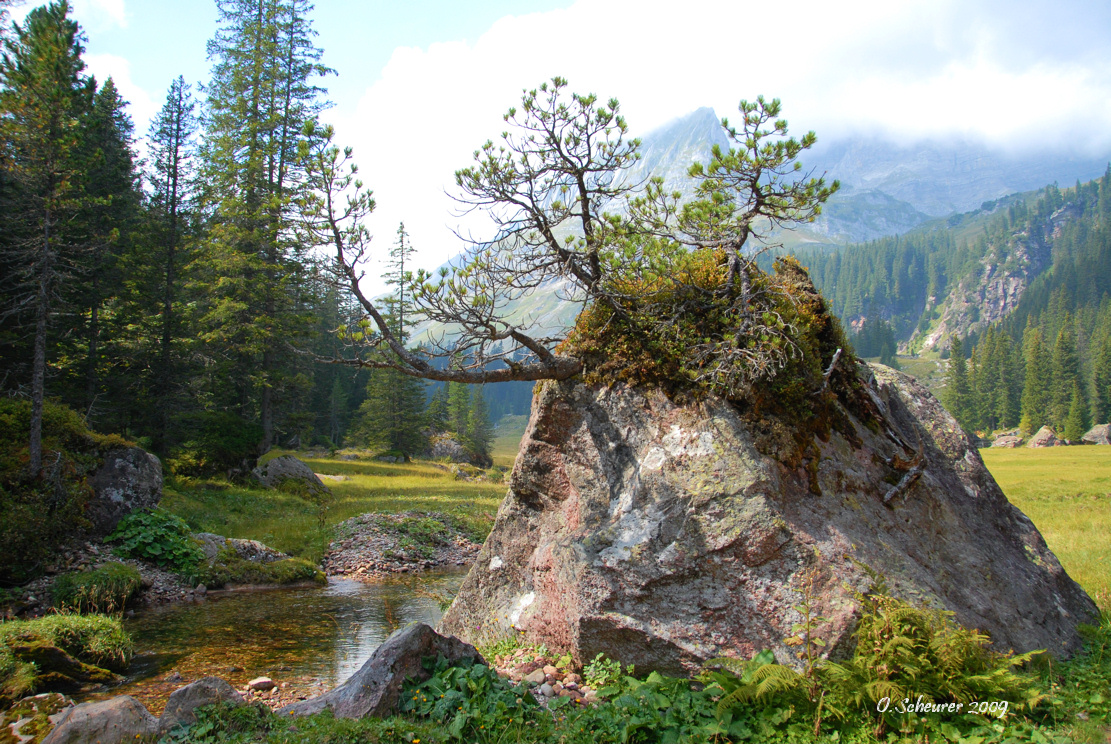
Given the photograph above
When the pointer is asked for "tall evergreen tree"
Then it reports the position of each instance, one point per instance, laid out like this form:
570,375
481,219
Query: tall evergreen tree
43,101
479,434
1102,383
171,177
1036,382
437,413
958,393
108,224
458,406
262,94
392,416
1065,374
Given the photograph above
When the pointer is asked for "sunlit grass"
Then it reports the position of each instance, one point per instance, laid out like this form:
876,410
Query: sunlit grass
1066,492
292,524
508,440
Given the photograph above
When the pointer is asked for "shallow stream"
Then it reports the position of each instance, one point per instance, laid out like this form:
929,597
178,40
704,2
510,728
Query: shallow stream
307,639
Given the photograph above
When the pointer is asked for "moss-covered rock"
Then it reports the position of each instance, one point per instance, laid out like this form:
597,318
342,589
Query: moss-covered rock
229,569
60,652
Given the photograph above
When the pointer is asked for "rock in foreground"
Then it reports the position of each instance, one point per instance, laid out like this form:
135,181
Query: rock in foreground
375,688
664,535
118,720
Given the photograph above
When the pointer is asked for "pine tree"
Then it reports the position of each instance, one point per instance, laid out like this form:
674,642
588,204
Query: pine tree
1065,374
479,434
459,407
1102,383
1076,422
1035,385
392,416
437,414
108,222
171,177
398,277
958,393
261,96
43,102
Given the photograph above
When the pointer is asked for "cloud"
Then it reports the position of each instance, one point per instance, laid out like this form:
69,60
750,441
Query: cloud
100,15
1015,75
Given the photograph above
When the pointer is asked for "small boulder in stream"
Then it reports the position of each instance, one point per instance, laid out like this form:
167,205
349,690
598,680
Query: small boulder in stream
374,690
118,720
181,707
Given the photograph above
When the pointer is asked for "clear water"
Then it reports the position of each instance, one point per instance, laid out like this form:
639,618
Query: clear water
311,639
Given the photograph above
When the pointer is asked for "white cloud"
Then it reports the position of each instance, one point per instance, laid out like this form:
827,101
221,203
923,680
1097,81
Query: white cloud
100,15
907,70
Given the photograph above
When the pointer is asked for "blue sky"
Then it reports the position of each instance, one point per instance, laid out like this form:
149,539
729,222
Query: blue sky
422,84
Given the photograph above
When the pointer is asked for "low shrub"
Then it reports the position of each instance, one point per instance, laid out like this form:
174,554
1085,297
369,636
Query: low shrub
105,589
159,537
214,443
229,568
472,701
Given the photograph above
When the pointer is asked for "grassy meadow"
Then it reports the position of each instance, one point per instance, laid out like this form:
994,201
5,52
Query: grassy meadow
1066,491
301,527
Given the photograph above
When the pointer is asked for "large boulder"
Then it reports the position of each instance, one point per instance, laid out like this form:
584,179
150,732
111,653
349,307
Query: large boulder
113,721
183,703
664,534
446,446
130,479
274,473
375,689
1100,434
1044,437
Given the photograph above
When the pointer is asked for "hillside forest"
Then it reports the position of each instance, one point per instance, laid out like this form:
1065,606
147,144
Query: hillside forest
1028,358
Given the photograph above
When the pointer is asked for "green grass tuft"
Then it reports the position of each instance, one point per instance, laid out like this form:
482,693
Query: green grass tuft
105,589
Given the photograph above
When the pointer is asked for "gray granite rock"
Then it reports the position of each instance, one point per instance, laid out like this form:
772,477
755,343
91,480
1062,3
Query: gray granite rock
181,707
118,720
665,534
130,479
374,689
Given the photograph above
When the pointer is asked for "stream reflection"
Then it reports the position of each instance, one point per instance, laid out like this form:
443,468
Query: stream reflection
311,639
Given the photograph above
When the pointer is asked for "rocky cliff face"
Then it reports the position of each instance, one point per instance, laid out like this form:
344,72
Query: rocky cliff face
665,534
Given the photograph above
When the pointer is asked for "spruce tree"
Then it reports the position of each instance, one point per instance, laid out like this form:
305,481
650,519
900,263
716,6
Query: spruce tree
437,414
391,417
1065,374
261,96
1102,383
171,177
44,101
1076,421
108,223
958,394
1036,381
459,407
479,433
